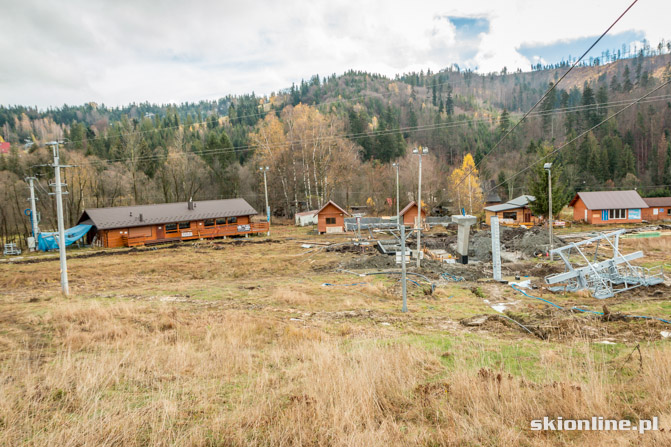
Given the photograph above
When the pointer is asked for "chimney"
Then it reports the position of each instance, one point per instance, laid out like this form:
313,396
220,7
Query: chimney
190,204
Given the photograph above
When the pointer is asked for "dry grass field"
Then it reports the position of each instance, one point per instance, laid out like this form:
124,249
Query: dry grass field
233,343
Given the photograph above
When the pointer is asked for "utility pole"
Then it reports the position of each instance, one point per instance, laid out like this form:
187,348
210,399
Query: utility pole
419,151
33,208
265,184
398,217
59,211
548,167
404,286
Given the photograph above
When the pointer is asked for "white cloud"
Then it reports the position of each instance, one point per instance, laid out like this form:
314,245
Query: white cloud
124,51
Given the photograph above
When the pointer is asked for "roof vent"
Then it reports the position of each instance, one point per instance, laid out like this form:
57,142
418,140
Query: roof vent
131,214
190,204
141,218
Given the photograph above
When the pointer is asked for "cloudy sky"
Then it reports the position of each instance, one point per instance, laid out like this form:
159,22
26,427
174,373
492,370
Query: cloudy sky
122,51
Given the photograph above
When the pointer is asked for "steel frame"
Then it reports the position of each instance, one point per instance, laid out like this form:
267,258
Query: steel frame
604,278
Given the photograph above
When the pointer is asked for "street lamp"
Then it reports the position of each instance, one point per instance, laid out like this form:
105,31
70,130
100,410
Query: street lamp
265,169
398,217
548,168
419,151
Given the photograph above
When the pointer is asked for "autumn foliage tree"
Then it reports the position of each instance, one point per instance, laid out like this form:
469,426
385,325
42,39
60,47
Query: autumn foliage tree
464,187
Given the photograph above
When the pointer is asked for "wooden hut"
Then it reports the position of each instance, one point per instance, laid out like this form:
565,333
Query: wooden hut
128,226
331,218
409,214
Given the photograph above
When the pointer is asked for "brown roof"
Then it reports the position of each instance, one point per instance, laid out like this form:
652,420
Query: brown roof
129,216
606,200
657,201
334,204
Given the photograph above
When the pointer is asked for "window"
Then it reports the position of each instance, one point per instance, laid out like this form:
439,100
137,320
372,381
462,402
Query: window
209,223
171,228
221,221
617,214
510,215
668,211
184,225
330,221
232,220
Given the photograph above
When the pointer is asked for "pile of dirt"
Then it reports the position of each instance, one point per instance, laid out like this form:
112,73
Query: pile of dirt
528,243
430,268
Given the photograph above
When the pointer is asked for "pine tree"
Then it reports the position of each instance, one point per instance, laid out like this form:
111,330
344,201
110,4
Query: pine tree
504,122
537,185
627,86
547,107
667,166
615,84
590,117
602,100
449,104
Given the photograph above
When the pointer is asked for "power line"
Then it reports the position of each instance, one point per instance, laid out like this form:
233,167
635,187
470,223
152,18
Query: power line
427,127
262,114
552,87
581,135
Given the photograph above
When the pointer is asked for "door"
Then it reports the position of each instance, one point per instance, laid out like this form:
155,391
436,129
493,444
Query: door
160,232
604,215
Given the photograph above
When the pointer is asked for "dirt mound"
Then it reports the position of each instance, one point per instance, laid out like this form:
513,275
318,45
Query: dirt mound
527,242
429,267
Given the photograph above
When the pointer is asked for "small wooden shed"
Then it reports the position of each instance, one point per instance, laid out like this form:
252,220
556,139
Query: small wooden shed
331,218
409,214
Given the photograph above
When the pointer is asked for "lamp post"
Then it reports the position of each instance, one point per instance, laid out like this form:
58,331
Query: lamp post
548,168
265,169
398,217
419,151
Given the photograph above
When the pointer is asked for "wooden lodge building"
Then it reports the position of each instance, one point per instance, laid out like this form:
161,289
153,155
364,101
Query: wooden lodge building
128,226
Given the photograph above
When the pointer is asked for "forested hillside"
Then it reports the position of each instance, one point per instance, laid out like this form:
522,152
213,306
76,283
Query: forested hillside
336,137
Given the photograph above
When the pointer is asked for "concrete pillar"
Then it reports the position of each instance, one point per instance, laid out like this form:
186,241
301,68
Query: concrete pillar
464,227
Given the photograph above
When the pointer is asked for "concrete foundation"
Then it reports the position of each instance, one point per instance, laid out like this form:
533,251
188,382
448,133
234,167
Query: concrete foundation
464,228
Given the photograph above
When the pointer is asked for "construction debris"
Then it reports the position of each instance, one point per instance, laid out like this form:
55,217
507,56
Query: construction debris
604,272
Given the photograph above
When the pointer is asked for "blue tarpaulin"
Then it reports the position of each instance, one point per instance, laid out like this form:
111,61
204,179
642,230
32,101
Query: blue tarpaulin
48,241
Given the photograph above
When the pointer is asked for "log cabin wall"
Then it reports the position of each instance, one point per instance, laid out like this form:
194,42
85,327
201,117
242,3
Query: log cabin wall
180,231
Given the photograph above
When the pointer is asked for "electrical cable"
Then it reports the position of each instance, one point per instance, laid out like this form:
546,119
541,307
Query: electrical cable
245,148
579,309
552,87
551,153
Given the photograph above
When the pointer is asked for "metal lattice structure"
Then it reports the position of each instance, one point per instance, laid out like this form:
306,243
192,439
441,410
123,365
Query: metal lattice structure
605,271
11,249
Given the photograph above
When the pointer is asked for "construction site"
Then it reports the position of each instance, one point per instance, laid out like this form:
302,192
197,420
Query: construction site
299,335
335,224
